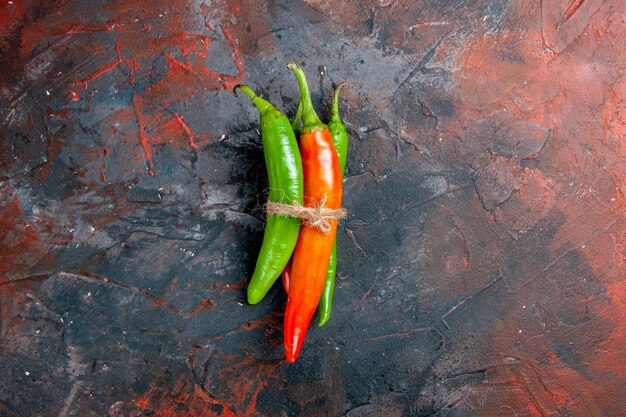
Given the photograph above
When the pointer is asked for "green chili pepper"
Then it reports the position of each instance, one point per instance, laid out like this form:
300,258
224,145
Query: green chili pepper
296,125
340,140
284,171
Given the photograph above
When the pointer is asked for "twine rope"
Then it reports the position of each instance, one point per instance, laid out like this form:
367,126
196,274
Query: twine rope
318,217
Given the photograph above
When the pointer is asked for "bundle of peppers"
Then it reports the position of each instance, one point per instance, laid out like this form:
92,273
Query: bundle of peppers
303,172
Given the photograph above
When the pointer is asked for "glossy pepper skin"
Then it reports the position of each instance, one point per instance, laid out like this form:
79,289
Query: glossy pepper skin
284,171
286,276
297,129
322,179
340,141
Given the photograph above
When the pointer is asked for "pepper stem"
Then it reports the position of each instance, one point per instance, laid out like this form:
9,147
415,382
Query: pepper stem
310,119
260,103
334,113
297,120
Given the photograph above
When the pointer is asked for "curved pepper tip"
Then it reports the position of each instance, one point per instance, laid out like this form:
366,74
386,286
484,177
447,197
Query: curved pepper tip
254,297
292,352
293,345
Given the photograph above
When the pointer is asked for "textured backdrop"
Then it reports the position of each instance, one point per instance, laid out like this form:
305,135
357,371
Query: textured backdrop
481,268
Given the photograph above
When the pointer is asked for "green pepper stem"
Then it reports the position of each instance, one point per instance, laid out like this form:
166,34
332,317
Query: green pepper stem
297,120
260,103
334,114
310,120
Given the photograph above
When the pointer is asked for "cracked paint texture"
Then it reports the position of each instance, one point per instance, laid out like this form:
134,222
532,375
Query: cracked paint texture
481,267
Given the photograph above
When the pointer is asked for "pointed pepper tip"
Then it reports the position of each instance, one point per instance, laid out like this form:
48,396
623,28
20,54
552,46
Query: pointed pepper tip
254,297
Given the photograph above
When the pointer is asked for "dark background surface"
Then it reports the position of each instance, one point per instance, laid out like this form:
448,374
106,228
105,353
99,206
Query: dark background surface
481,267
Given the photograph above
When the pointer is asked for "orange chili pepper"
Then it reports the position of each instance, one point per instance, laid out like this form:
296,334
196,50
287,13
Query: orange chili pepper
322,184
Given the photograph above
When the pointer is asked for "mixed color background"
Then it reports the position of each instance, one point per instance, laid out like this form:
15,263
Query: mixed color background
481,267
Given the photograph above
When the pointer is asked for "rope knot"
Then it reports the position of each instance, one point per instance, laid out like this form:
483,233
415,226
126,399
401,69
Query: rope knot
318,217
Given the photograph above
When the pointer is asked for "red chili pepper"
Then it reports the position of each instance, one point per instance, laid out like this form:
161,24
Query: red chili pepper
322,183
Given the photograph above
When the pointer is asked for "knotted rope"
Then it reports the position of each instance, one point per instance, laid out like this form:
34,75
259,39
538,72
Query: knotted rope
318,217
